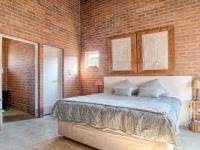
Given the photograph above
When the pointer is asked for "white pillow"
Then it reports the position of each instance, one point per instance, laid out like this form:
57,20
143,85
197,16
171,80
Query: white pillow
124,87
152,89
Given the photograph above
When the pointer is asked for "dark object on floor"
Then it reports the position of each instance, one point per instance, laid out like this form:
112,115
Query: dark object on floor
6,99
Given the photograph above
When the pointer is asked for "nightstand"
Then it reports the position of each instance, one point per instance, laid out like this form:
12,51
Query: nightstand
195,121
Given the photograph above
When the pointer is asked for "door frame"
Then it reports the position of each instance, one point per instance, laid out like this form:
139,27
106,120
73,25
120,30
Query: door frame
36,45
61,79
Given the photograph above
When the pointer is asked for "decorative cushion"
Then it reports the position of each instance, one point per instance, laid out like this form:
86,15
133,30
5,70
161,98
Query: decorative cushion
152,89
124,88
123,91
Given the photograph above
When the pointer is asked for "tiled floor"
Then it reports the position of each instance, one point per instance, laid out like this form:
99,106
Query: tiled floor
21,134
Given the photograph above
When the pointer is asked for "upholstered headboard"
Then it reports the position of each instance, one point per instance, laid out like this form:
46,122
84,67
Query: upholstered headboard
177,86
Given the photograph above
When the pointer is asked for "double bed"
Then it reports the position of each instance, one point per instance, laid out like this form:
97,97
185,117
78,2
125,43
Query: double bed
106,121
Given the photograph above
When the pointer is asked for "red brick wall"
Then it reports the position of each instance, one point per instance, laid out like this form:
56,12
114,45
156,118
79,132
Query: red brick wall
104,18
48,22
20,76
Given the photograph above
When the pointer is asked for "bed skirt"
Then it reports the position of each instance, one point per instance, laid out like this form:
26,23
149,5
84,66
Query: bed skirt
106,140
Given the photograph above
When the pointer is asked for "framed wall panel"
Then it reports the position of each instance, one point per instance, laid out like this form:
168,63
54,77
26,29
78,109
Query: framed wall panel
122,54
156,50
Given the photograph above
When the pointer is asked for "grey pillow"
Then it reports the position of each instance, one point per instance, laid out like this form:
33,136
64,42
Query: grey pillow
123,91
124,87
152,89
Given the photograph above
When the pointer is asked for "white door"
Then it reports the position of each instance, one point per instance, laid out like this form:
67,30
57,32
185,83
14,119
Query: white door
52,77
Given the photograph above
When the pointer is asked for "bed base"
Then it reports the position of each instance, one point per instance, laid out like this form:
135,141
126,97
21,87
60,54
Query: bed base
106,140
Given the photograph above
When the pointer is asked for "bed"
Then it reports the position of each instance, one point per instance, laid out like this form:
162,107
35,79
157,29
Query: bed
106,121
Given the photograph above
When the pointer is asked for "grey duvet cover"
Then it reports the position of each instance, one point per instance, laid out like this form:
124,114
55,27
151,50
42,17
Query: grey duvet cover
149,118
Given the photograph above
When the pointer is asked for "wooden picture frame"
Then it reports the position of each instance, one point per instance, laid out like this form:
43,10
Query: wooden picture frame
130,41
159,36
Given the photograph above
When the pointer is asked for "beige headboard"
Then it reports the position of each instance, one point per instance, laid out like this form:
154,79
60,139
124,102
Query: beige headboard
177,86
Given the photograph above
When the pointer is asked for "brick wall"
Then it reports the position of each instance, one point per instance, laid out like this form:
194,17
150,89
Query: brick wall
104,18
57,23
20,75
48,22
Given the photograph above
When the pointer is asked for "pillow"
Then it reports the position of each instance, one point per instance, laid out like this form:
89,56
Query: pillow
125,88
154,93
123,91
152,89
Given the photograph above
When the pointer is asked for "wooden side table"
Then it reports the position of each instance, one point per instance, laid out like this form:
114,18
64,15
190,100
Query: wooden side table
195,121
